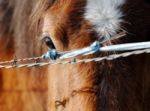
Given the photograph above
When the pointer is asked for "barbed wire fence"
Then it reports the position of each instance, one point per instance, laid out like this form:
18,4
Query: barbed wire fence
143,47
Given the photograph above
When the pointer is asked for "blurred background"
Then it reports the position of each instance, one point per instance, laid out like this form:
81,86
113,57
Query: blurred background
20,89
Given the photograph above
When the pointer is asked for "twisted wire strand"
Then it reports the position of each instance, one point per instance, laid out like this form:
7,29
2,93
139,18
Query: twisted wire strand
20,60
74,61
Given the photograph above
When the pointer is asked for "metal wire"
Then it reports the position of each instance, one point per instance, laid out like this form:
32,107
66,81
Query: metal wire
72,61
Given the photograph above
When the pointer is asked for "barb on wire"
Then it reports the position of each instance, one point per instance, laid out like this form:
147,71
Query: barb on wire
115,37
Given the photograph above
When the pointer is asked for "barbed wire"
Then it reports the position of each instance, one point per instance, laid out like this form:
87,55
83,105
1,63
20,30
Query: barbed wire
14,63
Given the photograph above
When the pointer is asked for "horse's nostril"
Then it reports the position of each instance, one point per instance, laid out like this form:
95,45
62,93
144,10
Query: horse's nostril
47,40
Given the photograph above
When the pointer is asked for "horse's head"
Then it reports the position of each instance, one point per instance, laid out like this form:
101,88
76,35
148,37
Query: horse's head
73,24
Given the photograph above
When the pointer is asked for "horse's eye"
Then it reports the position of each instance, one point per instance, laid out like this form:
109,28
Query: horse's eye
47,40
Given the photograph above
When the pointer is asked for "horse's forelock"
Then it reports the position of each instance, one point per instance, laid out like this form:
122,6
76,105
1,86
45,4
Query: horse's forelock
40,7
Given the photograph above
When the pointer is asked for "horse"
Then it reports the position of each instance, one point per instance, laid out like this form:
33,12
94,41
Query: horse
117,85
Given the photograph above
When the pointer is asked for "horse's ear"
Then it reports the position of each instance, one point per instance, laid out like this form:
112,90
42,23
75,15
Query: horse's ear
106,17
